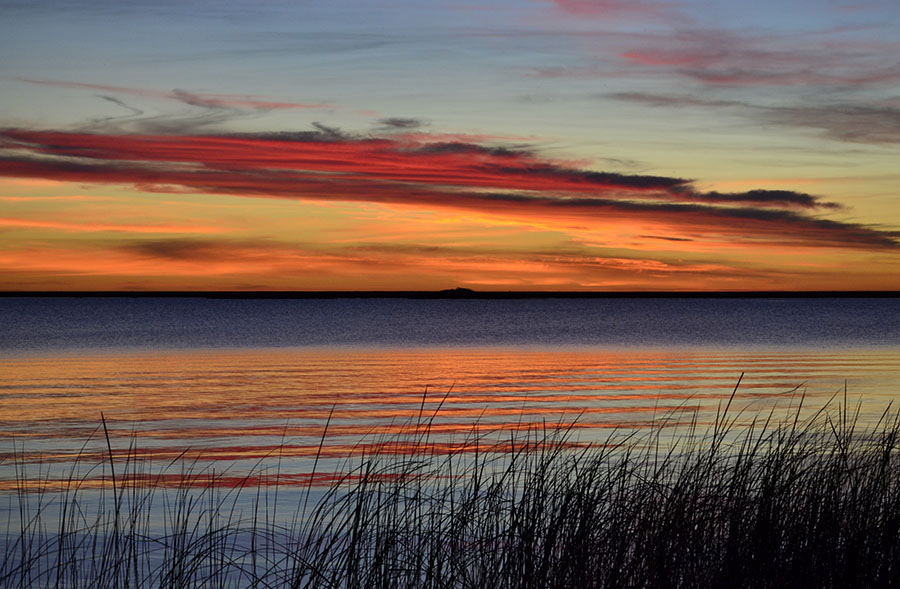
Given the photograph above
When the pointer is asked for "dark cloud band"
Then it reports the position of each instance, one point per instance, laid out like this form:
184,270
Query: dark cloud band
328,164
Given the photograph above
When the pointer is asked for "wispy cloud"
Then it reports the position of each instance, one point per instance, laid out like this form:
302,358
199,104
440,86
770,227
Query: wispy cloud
204,110
605,8
427,172
872,121
730,58
405,124
218,262
877,122
664,238
674,51
192,98
203,250
16,223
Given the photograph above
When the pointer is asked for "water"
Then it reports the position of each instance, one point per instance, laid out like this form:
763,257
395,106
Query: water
229,384
72,325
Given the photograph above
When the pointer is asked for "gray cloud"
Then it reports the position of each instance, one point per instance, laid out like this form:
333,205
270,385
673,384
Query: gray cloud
332,133
871,122
674,100
123,104
597,178
857,123
178,249
473,148
206,110
401,123
763,197
664,238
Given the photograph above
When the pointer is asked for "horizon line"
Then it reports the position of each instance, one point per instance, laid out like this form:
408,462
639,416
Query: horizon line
448,294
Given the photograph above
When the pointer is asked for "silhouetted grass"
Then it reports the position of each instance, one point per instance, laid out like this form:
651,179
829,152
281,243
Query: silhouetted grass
810,501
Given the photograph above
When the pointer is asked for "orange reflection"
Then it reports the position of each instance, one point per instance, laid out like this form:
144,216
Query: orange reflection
261,405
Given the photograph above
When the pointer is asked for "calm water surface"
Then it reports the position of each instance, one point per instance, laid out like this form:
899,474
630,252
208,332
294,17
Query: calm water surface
75,325
235,384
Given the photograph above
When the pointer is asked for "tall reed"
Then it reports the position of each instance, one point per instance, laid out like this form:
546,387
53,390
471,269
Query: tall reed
753,501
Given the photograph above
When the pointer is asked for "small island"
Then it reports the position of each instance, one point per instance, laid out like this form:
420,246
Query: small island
459,291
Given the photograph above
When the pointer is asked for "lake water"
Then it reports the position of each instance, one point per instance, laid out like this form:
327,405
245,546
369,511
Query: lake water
234,385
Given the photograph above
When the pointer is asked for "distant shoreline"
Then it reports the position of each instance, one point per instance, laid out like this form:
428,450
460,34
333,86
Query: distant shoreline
454,294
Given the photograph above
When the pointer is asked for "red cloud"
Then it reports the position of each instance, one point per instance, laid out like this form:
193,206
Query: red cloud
406,170
608,7
719,58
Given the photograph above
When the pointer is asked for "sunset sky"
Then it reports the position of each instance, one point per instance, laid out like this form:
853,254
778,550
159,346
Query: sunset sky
422,145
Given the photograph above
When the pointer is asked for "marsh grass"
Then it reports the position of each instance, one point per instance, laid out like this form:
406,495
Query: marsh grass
771,500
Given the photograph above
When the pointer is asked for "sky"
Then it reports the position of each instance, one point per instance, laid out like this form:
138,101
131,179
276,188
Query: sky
598,145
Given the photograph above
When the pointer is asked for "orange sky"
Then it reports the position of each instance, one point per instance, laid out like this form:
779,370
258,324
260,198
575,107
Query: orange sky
589,145
90,211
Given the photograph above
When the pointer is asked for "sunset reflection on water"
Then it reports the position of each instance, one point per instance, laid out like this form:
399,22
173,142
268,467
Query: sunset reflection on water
239,409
